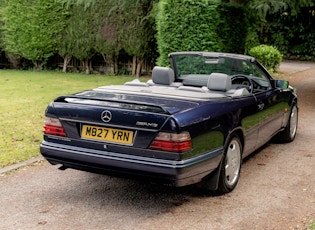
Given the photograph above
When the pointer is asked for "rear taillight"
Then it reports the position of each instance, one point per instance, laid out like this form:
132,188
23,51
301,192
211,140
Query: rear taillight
172,142
52,126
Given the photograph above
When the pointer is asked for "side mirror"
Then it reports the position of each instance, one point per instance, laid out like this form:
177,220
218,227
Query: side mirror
282,84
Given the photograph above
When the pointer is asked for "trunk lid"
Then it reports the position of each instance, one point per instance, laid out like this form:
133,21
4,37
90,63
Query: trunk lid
130,120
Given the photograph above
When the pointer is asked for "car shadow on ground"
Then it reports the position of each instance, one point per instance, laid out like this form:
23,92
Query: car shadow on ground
104,190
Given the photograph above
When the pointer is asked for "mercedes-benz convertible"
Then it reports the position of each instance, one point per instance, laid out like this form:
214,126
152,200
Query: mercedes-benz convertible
191,123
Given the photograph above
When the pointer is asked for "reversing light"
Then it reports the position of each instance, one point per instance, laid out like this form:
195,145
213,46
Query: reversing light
172,142
52,126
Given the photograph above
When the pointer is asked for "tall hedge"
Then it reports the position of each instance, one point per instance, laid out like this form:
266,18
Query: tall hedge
232,27
30,28
199,25
187,25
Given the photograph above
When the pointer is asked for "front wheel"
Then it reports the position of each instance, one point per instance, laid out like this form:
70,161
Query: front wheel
231,165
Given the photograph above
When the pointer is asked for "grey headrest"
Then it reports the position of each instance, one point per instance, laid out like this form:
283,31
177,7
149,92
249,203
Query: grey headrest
163,75
219,82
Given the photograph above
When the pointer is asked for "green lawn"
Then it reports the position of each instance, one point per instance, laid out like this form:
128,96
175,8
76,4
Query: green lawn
24,96
311,225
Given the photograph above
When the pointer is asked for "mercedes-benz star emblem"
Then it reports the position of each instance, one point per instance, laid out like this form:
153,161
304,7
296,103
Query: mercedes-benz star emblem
106,116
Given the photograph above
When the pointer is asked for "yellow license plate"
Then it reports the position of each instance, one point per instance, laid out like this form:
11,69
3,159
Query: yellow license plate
107,134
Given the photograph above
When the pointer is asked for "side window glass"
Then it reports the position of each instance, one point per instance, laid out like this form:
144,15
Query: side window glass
260,80
249,74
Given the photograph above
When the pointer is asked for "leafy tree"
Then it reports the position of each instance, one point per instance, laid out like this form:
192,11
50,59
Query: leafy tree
265,7
292,34
122,25
109,24
66,44
85,3
30,28
81,31
125,27
274,6
139,31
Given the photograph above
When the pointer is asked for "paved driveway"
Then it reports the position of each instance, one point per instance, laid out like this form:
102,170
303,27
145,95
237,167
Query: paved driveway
276,190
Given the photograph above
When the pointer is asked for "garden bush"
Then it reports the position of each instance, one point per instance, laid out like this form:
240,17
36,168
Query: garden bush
269,56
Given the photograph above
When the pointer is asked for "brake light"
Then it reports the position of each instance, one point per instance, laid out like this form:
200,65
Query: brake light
52,126
172,142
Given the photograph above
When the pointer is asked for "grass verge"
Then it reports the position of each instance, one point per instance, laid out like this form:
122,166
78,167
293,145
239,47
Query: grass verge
24,96
311,226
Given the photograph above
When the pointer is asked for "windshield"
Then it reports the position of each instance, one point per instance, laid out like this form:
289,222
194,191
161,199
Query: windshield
194,69
196,64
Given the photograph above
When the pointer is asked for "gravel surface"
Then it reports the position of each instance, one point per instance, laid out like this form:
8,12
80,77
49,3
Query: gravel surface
276,189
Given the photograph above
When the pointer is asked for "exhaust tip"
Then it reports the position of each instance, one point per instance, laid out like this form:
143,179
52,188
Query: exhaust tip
62,168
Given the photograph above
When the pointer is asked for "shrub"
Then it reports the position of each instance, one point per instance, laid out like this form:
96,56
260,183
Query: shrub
269,56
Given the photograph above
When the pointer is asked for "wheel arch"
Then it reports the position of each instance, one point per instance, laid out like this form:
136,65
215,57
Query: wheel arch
240,134
211,181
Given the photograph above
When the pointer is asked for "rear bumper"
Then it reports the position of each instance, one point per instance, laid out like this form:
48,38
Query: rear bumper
171,172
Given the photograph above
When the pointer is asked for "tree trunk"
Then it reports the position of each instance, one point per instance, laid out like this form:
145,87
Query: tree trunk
66,61
110,61
14,60
90,65
139,68
38,66
115,66
134,66
87,66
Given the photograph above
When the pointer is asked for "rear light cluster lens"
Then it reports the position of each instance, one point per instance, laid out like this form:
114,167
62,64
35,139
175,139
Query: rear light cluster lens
52,126
172,142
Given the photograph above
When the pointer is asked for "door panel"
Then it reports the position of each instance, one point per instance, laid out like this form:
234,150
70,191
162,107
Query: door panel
250,121
271,110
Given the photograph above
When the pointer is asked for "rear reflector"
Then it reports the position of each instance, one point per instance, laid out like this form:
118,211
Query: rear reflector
52,126
172,142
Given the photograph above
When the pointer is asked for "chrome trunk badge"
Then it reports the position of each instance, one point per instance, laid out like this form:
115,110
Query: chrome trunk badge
106,116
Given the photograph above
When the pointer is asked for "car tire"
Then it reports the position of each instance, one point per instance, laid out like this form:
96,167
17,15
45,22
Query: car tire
231,165
289,133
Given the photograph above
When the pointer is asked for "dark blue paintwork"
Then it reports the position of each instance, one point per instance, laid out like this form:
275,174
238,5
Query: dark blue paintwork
255,118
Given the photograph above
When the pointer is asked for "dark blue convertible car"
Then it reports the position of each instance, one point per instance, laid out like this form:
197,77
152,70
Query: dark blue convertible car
192,123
